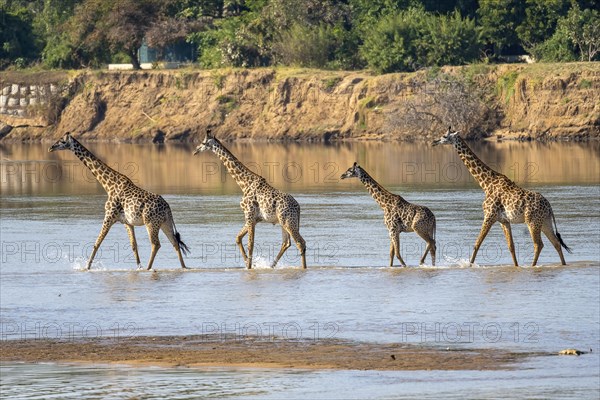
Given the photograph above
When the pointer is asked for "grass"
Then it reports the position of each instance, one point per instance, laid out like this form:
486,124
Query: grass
219,77
331,82
227,103
506,85
364,106
584,84
470,72
37,77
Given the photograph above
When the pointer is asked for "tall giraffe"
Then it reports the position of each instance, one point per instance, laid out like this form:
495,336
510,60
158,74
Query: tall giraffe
128,204
399,215
260,202
507,203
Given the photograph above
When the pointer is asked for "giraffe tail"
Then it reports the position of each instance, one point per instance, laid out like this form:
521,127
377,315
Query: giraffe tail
184,247
562,243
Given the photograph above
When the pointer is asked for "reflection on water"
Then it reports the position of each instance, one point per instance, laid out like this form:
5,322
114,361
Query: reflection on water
30,169
51,211
83,382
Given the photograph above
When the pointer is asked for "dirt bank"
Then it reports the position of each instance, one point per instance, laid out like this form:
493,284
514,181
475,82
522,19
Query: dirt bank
257,352
540,101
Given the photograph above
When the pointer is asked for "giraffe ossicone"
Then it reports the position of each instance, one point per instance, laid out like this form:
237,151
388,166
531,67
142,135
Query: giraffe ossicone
260,202
128,204
399,215
507,203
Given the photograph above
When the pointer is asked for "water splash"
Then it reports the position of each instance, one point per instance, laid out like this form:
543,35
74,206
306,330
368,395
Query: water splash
260,262
80,264
460,262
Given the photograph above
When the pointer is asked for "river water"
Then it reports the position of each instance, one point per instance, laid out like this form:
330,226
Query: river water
52,208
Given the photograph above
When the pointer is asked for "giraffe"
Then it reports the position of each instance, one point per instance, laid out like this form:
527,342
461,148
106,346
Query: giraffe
508,203
260,202
399,215
128,204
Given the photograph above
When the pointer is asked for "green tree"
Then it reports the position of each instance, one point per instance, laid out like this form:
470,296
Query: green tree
17,40
498,20
305,46
392,43
583,29
541,17
414,38
450,40
49,25
465,7
558,48
120,24
366,13
196,9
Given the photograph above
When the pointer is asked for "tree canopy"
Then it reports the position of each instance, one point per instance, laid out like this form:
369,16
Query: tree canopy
383,35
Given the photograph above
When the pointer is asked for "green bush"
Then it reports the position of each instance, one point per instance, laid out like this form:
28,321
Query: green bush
305,46
228,44
18,45
58,52
412,39
558,48
209,53
450,40
392,43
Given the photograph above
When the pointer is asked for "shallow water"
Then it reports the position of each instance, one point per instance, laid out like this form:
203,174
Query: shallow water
51,212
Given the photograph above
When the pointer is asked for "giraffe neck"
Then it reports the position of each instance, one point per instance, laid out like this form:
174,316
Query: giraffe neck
378,192
480,171
103,173
240,173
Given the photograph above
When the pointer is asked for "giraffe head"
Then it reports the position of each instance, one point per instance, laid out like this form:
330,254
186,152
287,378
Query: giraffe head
354,171
209,143
64,143
448,138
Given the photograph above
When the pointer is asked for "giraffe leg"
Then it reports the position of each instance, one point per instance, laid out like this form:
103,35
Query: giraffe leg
131,234
549,232
396,241
432,250
106,225
509,239
167,229
153,234
284,246
485,228
251,229
392,253
536,235
300,244
430,246
238,240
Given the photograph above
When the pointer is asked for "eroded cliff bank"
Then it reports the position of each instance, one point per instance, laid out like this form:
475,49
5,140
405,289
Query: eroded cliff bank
543,101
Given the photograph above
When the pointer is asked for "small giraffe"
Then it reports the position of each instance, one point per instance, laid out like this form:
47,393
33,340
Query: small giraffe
399,215
128,204
507,203
260,202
